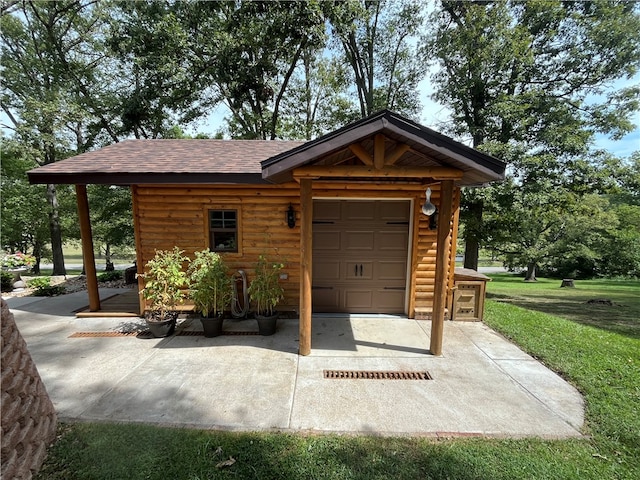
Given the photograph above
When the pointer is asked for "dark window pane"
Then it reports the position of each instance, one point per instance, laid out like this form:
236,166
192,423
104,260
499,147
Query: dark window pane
223,228
224,241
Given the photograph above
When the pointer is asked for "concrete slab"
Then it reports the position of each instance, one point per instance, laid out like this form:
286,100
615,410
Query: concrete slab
481,385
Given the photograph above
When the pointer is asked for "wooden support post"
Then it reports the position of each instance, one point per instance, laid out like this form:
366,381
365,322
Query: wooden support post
306,259
87,248
378,151
443,251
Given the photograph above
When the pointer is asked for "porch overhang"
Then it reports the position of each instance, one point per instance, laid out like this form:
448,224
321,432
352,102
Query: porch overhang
412,150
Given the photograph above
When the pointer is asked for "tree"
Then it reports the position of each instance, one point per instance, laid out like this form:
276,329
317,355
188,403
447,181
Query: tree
161,51
261,45
549,228
317,101
111,219
34,97
524,75
22,224
378,40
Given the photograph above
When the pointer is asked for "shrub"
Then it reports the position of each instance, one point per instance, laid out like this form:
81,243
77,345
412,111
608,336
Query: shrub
110,276
164,279
7,282
43,287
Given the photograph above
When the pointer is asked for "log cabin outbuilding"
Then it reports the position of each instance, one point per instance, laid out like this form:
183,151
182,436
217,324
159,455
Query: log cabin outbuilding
343,212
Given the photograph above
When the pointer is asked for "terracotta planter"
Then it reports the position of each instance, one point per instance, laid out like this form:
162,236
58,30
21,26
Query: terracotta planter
212,326
267,325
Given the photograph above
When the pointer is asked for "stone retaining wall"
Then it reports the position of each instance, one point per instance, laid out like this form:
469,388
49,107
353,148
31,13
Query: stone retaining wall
28,417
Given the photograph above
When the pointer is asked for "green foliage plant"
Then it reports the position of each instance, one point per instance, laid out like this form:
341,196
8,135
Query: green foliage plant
43,287
209,283
110,276
6,284
164,279
265,290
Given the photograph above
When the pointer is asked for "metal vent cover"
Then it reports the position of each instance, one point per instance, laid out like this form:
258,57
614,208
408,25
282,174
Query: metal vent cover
102,334
376,375
184,333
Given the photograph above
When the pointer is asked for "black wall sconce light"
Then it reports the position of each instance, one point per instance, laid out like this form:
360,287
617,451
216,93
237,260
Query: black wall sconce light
433,221
430,210
291,217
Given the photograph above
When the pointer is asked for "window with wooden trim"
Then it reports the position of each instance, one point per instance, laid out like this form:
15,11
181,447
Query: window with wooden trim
223,230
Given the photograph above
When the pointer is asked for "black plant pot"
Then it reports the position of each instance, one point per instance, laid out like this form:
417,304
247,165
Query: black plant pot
212,326
162,328
267,325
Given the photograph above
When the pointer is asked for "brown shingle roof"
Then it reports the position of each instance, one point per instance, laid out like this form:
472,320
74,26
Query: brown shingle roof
166,161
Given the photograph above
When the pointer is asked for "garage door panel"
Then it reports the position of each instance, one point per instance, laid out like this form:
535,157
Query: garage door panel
391,270
392,241
359,270
326,240
359,211
394,211
327,211
358,298
361,241
325,299
326,270
386,300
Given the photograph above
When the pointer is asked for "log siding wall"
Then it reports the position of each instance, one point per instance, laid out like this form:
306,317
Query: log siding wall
177,215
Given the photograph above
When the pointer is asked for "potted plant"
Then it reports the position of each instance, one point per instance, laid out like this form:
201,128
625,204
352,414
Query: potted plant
164,280
210,290
16,264
265,292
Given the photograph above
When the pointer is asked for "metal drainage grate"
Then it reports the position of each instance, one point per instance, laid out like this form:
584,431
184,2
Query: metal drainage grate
102,334
376,375
184,333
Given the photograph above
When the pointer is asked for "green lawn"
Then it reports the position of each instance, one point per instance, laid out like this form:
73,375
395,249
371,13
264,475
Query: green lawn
73,256
599,353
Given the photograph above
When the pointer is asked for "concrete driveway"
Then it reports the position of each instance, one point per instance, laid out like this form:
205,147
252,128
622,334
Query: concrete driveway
482,385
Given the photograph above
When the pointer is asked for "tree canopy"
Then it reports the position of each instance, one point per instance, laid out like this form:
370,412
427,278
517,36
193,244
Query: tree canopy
531,82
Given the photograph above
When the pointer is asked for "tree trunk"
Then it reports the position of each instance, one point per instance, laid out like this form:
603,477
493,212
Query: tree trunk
37,252
109,267
471,252
56,232
531,272
472,235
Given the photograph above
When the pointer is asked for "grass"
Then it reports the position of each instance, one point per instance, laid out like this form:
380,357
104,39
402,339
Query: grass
73,256
546,296
603,361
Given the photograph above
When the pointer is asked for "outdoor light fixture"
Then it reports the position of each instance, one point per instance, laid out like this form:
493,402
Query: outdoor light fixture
291,217
430,210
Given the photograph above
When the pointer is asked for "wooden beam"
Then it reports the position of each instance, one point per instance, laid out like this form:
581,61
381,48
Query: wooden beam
397,152
417,211
443,250
135,192
378,151
360,171
359,151
87,248
306,260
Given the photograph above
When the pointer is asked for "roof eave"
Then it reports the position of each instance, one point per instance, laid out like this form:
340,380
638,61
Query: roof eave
101,178
279,168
